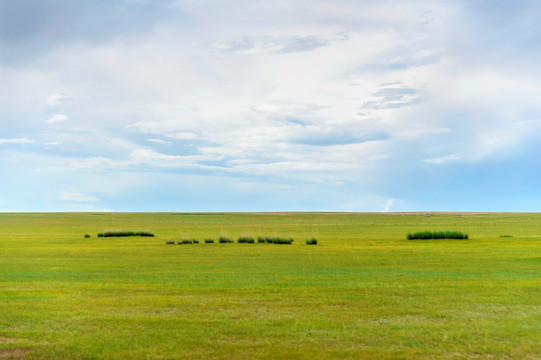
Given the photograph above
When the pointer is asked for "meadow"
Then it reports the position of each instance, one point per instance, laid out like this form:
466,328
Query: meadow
363,292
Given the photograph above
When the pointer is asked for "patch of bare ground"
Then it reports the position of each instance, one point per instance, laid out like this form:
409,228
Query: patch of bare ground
13,354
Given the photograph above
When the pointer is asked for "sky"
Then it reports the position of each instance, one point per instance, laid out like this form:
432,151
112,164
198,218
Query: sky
283,105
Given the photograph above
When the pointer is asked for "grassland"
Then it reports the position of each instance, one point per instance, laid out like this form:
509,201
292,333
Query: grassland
364,292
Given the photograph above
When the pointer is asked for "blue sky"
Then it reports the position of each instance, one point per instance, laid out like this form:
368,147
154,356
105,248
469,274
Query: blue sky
237,105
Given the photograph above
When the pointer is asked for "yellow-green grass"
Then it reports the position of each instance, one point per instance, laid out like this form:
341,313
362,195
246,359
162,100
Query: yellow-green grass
363,292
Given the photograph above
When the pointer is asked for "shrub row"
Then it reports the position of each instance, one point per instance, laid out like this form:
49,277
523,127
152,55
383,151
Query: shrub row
182,242
188,241
246,240
125,233
427,235
274,240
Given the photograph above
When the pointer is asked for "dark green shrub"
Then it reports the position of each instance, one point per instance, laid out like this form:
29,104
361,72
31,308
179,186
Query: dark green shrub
224,240
169,242
274,240
282,241
187,241
428,235
125,233
312,241
506,235
245,240
87,236
195,241
209,241
144,233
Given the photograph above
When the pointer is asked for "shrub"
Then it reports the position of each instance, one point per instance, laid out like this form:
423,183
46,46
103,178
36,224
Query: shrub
125,233
427,235
274,240
87,236
169,242
224,240
144,233
280,241
245,240
506,235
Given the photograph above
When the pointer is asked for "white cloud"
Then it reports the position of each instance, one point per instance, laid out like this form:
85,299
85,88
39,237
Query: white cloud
419,130
56,99
57,118
525,122
388,205
442,160
16,141
77,197
182,136
158,141
95,162
341,90
283,44
151,157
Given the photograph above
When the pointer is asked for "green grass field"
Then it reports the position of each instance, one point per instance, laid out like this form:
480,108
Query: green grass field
364,292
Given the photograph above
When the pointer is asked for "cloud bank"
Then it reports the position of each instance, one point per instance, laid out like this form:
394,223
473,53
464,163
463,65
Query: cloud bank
298,105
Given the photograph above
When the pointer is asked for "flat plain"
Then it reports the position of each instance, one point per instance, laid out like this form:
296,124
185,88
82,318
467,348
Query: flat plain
364,292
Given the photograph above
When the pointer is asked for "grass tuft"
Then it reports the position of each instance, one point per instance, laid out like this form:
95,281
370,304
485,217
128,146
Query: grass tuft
312,241
209,241
87,236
